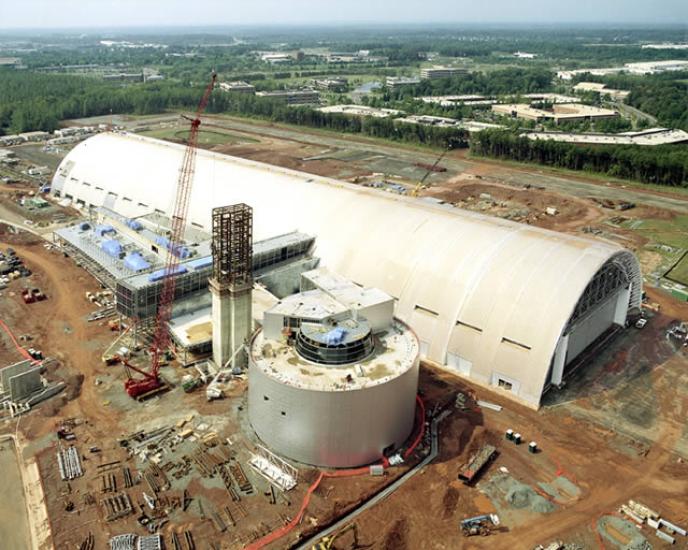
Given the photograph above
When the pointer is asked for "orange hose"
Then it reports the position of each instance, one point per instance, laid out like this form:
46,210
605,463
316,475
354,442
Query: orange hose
25,354
278,533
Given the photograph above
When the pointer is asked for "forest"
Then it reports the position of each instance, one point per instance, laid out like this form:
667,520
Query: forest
661,165
38,102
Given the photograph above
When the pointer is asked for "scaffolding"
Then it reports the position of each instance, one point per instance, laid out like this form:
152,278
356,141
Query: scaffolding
232,245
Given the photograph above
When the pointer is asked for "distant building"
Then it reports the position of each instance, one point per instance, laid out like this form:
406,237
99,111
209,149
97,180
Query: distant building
601,89
13,62
238,86
332,84
642,68
293,97
395,82
456,100
360,110
560,112
665,46
544,97
34,136
471,126
431,73
653,136
525,55
123,77
274,58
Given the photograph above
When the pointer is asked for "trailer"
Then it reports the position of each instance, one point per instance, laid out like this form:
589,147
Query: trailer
479,525
477,462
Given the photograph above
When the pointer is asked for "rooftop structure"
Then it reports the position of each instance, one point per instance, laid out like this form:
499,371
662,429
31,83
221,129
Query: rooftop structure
238,86
559,113
454,100
428,120
276,57
398,81
444,122
293,97
360,110
331,84
327,385
508,305
439,71
653,136
601,89
645,67
545,97
665,46
128,256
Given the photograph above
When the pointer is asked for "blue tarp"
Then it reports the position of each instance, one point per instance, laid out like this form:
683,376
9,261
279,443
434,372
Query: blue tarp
335,336
135,225
162,241
200,263
135,262
104,229
181,251
160,274
112,247
84,226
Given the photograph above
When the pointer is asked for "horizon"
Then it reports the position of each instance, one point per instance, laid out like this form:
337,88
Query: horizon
59,15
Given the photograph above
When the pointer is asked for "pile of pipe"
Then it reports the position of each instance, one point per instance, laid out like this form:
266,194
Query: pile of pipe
69,463
123,542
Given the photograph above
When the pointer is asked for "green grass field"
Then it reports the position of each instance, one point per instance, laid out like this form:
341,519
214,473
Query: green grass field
205,137
673,233
679,272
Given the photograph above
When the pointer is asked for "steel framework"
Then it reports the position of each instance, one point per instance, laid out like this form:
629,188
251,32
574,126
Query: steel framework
232,245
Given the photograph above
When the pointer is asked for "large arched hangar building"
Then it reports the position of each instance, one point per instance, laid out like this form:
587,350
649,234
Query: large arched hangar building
505,304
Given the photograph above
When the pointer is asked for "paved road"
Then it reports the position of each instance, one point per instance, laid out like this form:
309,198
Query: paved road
514,175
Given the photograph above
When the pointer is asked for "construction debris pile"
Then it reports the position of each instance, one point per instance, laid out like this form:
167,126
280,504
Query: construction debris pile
641,515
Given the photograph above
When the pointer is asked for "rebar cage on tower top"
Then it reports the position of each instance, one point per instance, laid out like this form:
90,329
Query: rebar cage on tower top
232,244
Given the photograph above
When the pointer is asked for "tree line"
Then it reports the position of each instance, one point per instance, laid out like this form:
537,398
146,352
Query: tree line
501,82
30,101
662,164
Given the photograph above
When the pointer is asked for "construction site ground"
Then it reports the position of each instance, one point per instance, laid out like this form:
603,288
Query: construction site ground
615,432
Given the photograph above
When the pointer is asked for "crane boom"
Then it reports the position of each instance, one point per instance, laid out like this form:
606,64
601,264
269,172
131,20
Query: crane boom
161,341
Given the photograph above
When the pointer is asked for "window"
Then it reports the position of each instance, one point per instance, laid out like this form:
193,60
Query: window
426,310
284,413
515,343
504,384
472,327
266,398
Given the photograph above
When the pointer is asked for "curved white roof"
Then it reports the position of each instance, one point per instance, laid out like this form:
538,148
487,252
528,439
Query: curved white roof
494,292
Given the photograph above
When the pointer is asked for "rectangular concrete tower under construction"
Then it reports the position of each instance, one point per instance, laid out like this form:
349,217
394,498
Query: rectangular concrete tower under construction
231,283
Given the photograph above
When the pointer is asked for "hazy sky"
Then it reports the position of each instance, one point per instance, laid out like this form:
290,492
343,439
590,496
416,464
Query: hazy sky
113,13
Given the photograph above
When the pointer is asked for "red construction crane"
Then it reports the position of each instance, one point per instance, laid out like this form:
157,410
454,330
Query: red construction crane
151,380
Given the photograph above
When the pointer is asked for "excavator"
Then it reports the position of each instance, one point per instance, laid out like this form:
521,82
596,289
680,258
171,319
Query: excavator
326,542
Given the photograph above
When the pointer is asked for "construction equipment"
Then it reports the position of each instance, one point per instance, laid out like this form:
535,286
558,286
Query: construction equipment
430,169
476,463
326,542
479,525
151,380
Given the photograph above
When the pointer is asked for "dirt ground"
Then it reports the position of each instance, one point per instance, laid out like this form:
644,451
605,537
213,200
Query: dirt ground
578,449
617,431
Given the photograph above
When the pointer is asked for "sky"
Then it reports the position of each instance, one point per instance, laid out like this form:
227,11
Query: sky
15,14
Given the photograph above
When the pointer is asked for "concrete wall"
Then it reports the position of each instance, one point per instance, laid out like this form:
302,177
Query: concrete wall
337,428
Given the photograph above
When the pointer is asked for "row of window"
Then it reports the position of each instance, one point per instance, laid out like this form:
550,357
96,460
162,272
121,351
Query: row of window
473,328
